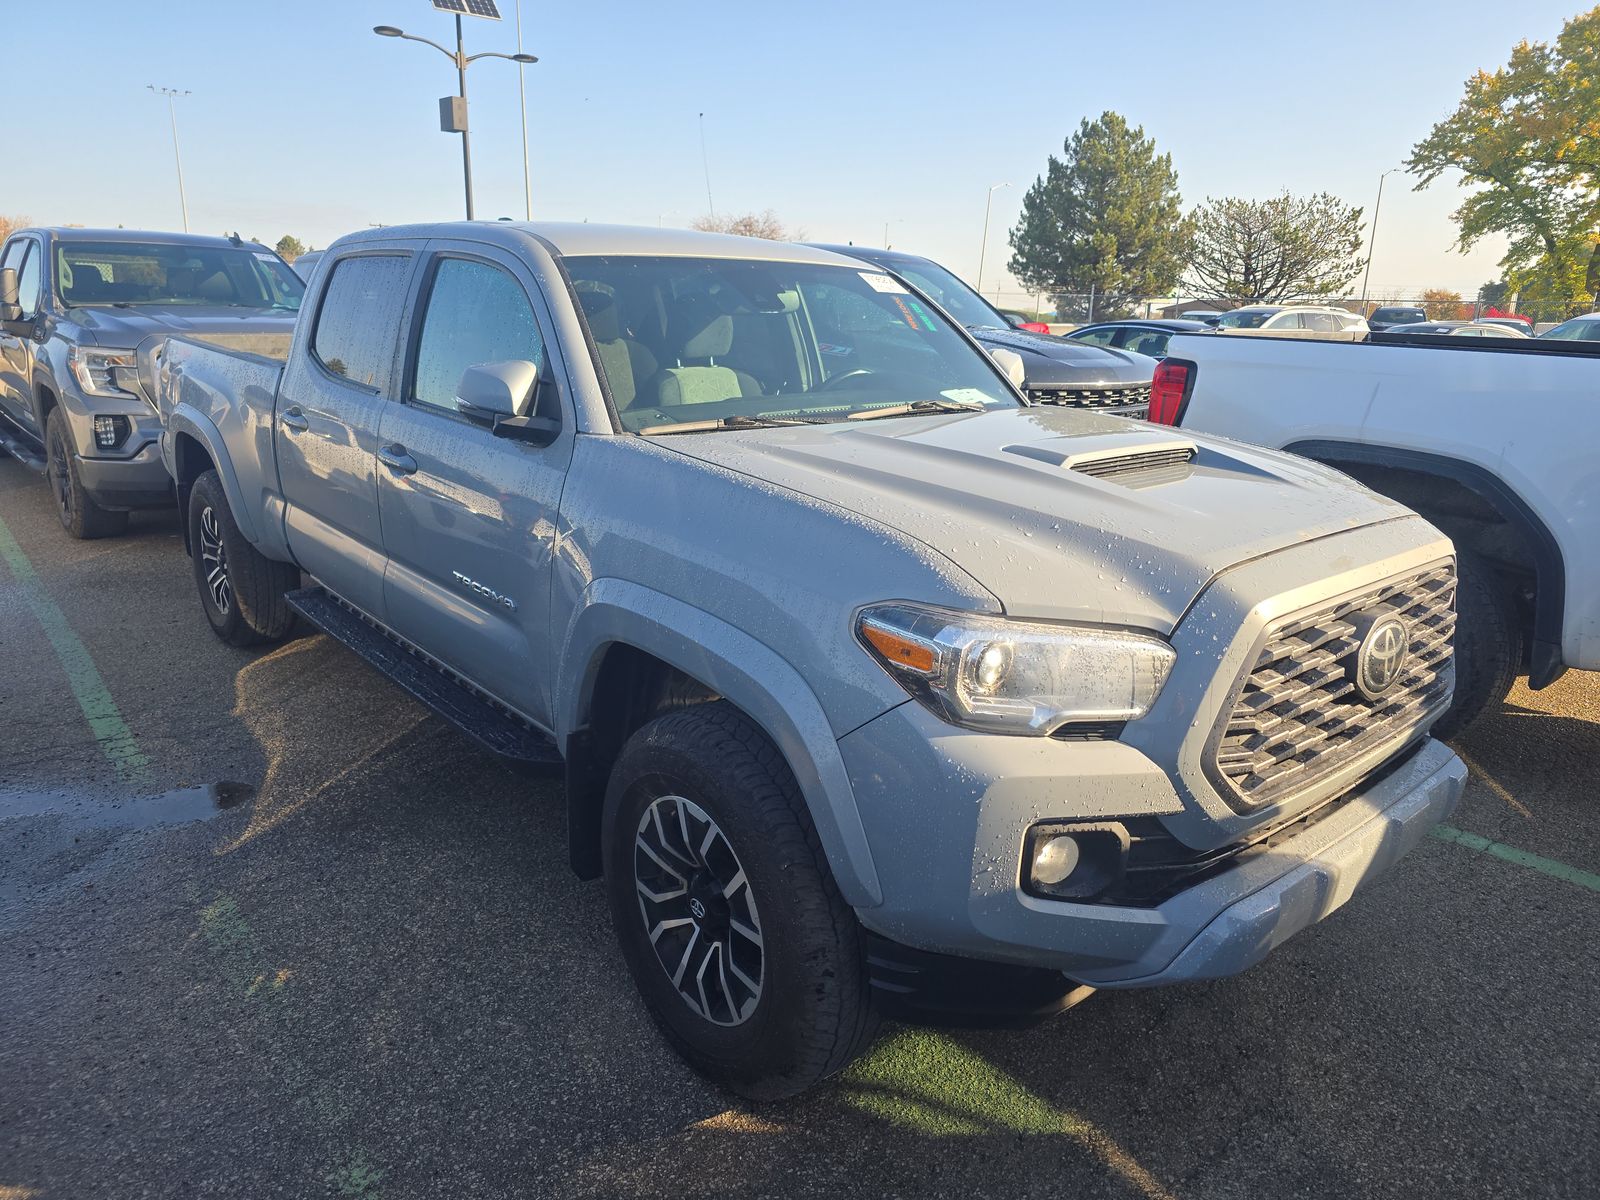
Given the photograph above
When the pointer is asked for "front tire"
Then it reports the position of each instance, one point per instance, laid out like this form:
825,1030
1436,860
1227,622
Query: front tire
241,590
80,515
748,959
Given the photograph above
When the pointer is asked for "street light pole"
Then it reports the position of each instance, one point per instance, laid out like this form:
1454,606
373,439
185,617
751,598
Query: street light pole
984,249
172,111
522,99
1372,239
462,61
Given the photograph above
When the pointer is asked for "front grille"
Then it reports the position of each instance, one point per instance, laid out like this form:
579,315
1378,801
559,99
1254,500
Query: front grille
1300,717
1115,396
1113,465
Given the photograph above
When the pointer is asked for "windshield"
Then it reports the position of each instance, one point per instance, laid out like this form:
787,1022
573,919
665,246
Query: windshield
716,343
1246,319
952,294
136,273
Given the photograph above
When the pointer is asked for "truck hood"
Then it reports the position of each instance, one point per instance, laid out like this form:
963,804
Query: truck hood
1052,362
128,327
1006,496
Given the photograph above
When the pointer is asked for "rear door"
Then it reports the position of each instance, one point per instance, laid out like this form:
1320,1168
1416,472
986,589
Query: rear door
326,430
469,519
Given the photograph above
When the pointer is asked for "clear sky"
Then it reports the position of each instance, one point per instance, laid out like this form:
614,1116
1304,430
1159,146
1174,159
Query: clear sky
839,116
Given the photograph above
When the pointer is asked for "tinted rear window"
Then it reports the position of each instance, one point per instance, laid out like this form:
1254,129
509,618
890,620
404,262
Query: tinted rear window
1400,314
360,318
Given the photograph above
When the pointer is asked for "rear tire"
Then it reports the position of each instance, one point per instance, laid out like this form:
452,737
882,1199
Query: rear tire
80,516
241,590
736,852
1489,644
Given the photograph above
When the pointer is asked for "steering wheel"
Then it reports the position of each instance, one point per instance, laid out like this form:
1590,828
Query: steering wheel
838,379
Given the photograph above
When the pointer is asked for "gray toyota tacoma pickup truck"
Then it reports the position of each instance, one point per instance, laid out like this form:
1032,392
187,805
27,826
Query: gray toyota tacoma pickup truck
76,308
875,688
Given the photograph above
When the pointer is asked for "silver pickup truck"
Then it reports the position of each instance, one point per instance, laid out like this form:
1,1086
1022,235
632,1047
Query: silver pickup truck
875,689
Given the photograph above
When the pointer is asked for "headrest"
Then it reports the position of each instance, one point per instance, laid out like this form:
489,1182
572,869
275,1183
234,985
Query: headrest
708,337
605,322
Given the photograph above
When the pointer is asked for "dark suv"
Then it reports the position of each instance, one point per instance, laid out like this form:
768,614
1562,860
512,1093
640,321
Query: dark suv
76,308
1391,315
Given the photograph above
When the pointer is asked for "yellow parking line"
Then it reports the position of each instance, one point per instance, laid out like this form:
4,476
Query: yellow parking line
1493,784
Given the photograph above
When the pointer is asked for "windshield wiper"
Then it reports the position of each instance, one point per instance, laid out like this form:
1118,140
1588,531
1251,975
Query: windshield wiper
918,406
724,423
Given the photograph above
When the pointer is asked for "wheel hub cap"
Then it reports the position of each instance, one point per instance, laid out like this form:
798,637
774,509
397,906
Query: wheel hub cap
214,561
698,910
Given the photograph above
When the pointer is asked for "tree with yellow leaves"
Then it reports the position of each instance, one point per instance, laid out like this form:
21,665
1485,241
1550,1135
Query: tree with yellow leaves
1526,139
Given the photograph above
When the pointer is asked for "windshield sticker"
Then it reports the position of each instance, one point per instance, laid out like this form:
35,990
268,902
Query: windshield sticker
883,283
266,257
905,311
967,396
927,321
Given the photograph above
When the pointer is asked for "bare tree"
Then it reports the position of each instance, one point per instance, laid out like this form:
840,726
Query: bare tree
759,225
1269,251
9,225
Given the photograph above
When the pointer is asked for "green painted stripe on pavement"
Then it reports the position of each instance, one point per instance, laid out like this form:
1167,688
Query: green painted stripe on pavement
1523,858
88,688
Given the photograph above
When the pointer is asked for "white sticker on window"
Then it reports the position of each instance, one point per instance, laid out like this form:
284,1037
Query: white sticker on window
265,257
967,396
883,283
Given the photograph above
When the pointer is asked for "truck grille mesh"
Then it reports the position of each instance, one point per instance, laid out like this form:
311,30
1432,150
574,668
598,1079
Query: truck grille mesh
1094,397
1300,715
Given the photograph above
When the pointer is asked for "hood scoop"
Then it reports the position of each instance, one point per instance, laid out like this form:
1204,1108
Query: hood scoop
1149,463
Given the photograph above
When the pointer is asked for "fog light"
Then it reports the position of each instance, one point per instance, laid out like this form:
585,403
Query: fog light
1074,861
110,431
1055,858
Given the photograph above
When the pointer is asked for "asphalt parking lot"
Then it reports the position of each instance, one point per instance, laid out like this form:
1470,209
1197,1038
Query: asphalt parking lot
268,928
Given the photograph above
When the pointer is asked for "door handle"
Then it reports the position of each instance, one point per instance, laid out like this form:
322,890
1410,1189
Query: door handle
397,460
293,418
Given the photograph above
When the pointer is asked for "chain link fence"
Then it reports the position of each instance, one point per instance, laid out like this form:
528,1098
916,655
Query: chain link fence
1081,308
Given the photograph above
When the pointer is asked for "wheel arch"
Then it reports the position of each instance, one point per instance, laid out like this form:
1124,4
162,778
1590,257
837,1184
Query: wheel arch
197,446
1464,499
631,647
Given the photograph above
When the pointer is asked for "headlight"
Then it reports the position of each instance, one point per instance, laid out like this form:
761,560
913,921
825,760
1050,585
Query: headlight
110,373
1015,676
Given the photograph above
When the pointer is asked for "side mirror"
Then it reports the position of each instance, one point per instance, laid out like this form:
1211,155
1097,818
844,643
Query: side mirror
10,310
1011,363
501,395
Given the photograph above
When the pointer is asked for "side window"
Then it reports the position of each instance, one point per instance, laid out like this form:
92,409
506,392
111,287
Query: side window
1285,321
1097,337
28,283
359,317
476,314
1321,322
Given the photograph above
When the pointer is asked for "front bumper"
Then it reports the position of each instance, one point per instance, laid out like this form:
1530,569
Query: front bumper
946,813
139,481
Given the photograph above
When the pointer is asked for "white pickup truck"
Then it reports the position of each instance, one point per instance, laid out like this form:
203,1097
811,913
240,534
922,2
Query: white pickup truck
1494,440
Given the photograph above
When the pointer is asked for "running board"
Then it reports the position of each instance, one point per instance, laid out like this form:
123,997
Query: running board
22,450
501,731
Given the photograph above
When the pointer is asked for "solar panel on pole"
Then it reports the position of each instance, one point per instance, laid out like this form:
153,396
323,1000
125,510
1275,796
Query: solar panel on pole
471,8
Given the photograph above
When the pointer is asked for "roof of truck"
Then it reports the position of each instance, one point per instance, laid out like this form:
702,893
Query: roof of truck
74,233
572,240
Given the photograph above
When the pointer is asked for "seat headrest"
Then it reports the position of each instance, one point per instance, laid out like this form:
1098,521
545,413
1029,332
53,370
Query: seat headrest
600,308
707,336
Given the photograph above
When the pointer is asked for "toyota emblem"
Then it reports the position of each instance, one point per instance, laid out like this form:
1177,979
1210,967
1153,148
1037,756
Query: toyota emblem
1381,656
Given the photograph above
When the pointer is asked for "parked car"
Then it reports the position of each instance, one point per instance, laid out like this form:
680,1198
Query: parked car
1057,371
306,263
1459,329
1521,324
1578,329
874,687
1389,315
1206,316
76,305
1147,337
1022,321
1284,318
1427,425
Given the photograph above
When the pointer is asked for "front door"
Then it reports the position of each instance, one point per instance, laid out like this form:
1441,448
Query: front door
326,429
469,519
16,349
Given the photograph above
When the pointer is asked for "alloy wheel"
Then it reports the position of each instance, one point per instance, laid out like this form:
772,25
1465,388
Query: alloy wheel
59,475
698,909
214,559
